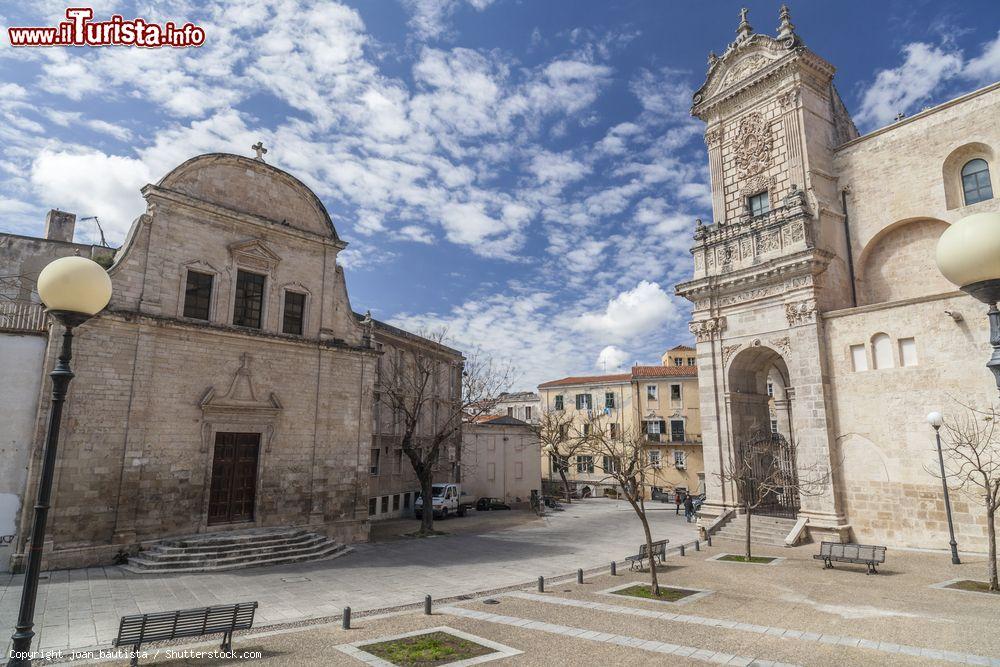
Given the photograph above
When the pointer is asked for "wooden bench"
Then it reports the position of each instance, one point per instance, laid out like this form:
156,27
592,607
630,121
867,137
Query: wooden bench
843,552
165,625
659,553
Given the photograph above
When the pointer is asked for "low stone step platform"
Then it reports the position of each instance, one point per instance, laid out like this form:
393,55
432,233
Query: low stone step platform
767,530
214,552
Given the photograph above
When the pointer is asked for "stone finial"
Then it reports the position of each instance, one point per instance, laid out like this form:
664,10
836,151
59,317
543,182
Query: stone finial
712,58
743,30
785,28
260,150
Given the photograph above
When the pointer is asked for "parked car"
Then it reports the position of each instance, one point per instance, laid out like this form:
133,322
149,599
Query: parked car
698,502
486,504
446,501
657,493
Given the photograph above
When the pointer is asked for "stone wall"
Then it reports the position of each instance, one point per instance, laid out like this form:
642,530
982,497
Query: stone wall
886,449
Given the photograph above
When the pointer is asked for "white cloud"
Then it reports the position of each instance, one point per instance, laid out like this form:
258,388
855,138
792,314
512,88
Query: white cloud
899,89
429,18
985,67
924,75
632,313
611,359
92,184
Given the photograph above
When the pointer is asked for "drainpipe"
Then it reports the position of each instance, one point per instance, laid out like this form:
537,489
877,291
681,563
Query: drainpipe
847,237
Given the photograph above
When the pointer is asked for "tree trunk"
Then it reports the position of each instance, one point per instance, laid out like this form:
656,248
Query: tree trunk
426,492
653,582
747,557
562,473
991,542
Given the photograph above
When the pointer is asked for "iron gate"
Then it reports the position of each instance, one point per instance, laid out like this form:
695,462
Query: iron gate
769,476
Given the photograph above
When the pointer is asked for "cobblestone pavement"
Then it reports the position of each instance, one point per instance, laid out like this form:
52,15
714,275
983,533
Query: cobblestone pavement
793,613
81,608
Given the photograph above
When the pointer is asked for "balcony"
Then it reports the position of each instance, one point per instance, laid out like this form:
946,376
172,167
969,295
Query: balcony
22,317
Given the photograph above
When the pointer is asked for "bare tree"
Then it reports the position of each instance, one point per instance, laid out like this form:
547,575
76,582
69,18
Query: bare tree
431,396
625,459
559,440
973,461
765,472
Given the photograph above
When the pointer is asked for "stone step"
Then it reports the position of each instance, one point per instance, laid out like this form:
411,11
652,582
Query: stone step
138,565
240,538
335,552
227,551
166,554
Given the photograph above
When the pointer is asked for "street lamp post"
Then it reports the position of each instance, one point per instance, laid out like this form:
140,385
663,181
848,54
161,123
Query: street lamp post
968,254
73,289
936,420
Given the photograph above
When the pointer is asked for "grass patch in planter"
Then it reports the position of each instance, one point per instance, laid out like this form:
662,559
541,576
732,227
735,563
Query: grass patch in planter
972,586
645,592
426,650
733,558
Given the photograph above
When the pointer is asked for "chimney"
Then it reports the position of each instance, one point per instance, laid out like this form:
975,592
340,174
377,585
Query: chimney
59,225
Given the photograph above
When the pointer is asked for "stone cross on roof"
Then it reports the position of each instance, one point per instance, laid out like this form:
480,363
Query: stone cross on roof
261,151
743,30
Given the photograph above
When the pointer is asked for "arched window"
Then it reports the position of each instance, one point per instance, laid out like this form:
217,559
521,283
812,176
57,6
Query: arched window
882,351
976,181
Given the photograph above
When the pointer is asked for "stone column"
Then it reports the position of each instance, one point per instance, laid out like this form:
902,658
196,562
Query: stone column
811,429
713,139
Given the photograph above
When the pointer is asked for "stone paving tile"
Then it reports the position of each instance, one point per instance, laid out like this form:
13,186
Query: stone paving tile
374,576
783,633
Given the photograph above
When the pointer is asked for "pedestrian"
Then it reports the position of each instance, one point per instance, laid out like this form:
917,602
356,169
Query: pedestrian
677,501
688,508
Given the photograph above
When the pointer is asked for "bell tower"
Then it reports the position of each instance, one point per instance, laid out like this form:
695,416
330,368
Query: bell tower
772,257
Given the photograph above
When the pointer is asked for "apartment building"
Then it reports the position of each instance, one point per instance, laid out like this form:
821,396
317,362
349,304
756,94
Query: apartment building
659,401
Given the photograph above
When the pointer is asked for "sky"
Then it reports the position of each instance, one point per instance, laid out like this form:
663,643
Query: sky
525,173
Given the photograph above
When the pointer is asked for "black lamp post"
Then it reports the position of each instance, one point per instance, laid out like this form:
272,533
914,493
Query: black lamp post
936,420
74,289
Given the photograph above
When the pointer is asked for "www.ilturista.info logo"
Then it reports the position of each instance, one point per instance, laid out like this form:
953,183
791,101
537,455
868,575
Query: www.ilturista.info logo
79,30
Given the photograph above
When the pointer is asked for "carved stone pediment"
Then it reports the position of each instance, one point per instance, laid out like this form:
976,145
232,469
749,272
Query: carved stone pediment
240,406
254,253
740,63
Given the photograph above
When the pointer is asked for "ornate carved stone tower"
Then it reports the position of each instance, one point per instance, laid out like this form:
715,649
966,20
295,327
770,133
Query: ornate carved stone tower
772,258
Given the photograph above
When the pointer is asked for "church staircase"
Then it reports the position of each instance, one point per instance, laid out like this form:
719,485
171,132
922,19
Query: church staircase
767,530
215,552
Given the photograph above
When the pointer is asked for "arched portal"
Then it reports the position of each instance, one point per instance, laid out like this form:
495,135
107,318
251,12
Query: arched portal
760,412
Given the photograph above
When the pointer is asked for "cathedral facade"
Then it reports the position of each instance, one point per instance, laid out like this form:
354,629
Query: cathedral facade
818,309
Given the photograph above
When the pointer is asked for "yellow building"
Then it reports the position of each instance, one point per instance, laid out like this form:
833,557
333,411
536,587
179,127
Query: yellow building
661,401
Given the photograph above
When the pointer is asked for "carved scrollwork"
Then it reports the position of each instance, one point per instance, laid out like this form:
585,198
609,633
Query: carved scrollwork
801,312
782,345
752,147
758,183
728,351
713,137
745,68
705,330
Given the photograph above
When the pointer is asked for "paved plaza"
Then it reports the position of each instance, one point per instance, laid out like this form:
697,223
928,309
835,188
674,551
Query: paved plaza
81,608
792,613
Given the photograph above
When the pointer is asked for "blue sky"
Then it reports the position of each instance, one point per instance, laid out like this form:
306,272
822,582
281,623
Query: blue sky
523,172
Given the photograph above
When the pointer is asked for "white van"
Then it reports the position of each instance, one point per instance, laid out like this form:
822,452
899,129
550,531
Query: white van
446,501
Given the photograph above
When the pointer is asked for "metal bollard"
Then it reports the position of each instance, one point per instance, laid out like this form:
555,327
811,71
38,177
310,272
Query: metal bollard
697,545
541,584
682,549
579,576
708,539
427,605
614,569
346,620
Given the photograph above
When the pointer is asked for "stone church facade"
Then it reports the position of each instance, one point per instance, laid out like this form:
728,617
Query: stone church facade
817,304
228,385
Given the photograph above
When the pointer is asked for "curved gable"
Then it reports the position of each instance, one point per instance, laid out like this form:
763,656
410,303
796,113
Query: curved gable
253,187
